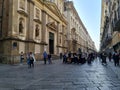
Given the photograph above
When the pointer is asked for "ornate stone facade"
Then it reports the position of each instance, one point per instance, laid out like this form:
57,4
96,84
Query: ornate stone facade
32,26
40,25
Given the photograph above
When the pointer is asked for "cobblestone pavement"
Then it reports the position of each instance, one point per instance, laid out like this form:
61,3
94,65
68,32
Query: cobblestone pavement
58,76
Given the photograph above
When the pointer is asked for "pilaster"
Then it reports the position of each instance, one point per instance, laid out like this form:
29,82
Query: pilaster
58,24
30,30
43,31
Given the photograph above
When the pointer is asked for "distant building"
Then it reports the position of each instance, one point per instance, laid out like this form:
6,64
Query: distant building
77,35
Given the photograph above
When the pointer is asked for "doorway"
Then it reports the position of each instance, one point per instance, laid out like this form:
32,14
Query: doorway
51,43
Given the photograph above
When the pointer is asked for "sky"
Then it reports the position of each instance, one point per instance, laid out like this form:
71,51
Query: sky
90,14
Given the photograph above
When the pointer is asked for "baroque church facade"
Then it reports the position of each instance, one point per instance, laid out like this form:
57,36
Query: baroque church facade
32,26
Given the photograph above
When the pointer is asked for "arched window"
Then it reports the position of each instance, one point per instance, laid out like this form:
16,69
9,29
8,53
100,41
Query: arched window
21,27
37,30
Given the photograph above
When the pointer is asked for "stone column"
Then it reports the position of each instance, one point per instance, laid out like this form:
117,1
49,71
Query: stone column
10,20
43,31
29,34
58,24
30,28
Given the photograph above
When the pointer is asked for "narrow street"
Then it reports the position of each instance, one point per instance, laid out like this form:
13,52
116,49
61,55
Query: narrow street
58,76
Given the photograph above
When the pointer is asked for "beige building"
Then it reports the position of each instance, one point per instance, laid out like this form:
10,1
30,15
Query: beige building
77,36
31,26
110,28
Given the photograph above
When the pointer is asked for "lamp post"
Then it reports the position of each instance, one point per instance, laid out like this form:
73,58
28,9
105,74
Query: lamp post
2,11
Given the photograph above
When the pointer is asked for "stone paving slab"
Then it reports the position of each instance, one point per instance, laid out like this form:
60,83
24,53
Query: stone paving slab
93,88
116,69
59,76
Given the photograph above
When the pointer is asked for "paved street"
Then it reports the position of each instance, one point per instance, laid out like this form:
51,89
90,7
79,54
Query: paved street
58,76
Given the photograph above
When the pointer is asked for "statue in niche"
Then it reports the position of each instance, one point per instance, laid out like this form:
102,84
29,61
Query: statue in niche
21,26
37,31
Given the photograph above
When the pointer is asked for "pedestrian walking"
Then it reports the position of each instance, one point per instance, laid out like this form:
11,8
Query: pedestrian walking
64,58
21,57
119,55
89,59
28,59
104,55
116,58
69,57
110,56
45,56
31,60
49,58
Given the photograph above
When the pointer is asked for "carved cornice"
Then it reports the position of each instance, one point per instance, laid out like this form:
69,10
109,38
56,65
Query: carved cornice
43,43
18,39
23,13
37,20
52,7
52,26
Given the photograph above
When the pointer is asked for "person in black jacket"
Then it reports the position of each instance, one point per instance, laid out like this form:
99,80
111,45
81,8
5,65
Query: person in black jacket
110,56
49,58
104,55
31,60
116,58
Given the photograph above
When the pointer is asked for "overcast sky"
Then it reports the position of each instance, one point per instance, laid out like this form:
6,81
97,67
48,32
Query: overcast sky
90,14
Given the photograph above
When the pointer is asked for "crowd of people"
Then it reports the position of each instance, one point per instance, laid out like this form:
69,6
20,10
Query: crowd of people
31,58
89,57
75,58
115,56
80,58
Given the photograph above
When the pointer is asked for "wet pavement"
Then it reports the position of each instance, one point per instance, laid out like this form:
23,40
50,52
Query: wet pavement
59,76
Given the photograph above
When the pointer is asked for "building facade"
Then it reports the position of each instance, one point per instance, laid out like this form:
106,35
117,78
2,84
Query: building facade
110,25
40,25
32,26
77,36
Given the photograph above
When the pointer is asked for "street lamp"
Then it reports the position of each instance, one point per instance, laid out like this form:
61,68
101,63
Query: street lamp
2,8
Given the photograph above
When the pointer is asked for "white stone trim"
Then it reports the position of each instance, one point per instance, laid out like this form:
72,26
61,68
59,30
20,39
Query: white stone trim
39,13
25,6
